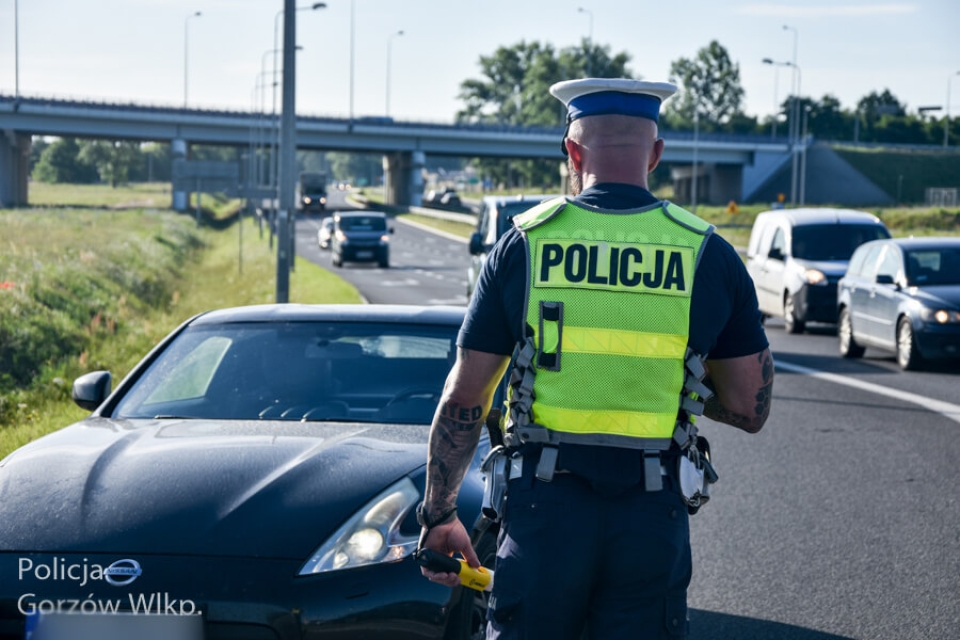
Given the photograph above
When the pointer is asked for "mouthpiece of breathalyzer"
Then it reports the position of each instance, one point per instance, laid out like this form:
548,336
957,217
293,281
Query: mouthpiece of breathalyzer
480,579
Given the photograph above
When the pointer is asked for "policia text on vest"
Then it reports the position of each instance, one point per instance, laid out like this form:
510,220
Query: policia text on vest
614,266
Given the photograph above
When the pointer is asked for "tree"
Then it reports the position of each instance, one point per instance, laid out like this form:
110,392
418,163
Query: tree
711,83
514,90
113,159
60,162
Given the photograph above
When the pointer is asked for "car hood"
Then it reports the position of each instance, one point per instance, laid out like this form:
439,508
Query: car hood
830,268
229,488
945,295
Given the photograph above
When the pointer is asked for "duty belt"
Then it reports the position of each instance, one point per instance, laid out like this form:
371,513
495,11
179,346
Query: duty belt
521,429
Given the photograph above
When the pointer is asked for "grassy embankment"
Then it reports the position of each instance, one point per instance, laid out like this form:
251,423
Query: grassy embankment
95,288
735,228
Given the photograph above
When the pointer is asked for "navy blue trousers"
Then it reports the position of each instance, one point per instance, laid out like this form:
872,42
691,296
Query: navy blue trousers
574,561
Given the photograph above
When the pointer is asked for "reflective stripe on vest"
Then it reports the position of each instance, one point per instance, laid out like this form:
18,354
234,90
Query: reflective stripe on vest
610,364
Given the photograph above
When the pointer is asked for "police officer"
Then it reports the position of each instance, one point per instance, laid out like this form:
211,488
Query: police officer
624,314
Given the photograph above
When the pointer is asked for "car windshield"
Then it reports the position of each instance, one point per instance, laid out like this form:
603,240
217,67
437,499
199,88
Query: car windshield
832,241
927,267
363,372
363,223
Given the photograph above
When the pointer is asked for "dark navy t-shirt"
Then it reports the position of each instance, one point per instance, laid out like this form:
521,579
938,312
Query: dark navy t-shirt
724,316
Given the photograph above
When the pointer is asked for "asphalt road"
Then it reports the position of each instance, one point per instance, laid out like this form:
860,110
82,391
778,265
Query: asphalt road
424,268
839,520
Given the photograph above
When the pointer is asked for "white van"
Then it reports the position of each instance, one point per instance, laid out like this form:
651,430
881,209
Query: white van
797,256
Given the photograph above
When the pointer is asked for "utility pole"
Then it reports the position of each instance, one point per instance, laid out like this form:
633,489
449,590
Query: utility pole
288,152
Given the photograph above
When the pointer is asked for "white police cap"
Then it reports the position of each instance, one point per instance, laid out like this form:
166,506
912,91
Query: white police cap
606,96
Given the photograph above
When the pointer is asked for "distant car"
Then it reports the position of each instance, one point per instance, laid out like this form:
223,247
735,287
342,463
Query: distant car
903,296
496,214
797,256
361,236
325,233
443,199
259,471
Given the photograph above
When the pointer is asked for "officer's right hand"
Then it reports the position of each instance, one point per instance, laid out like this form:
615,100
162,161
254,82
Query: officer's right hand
449,538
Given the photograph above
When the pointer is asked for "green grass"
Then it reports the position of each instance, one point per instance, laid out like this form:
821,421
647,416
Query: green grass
84,290
144,195
461,229
905,174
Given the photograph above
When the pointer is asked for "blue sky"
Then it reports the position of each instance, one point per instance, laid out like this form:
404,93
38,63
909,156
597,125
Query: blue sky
133,49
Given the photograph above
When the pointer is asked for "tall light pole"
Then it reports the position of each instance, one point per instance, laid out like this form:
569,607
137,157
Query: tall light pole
946,120
589,38
389,50
273,110
186,23
352,14
16,50
776,105
794,115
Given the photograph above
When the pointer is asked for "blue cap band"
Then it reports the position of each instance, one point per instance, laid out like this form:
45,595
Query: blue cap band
603,103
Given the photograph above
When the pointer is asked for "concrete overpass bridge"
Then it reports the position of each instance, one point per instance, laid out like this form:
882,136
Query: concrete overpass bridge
728,167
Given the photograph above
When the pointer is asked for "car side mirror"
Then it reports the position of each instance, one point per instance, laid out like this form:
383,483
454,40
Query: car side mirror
392,230
90,390
476,243
775,254
883,278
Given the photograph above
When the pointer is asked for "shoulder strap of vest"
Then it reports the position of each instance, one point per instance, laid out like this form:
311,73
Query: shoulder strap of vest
686,219
539,214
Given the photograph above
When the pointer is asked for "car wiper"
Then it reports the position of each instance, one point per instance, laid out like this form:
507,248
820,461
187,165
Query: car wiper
170,416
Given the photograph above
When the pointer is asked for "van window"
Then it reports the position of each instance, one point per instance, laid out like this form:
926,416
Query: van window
779,243
833,241
363,223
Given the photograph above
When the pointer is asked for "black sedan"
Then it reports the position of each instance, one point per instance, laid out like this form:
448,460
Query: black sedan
255,477
903,296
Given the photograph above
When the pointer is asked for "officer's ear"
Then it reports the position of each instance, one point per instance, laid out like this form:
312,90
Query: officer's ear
655,155
575,153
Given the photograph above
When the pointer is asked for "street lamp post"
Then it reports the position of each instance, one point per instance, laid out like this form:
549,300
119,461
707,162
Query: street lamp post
273,111
589,39
776,105
16,50
794,115
946,120
186,23
389,50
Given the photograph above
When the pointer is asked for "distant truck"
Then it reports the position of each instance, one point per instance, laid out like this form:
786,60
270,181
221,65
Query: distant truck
312,191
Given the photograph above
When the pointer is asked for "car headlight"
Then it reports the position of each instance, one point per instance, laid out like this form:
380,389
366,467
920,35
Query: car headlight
816,277
370,536
940,316
307,200
340,236
323,201
385,238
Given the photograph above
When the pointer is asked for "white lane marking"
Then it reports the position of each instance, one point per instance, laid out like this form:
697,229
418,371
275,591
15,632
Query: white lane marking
946,409
408,282
443,234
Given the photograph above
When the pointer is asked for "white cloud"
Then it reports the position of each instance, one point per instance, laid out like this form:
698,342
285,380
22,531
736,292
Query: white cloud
825,11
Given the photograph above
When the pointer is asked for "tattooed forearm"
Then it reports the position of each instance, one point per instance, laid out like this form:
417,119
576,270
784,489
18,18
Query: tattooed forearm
751,420
453,441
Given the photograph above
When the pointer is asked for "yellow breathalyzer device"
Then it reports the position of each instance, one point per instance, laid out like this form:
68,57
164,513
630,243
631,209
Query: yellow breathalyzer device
480,579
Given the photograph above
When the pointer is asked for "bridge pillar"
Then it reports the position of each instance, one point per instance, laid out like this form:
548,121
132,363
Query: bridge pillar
178,151
14,168
403,177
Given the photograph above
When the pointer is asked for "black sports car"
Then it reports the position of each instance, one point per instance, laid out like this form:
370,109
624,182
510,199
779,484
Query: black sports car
254,477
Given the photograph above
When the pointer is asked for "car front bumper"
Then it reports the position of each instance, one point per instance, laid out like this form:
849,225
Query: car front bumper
250,598
936,341
364,252
817,303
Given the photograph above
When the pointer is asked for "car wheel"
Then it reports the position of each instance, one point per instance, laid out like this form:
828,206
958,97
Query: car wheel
792,323
383,263
848,346
468,619
908,357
